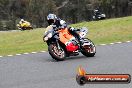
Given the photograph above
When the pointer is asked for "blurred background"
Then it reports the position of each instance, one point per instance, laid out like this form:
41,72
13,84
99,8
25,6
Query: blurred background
72,11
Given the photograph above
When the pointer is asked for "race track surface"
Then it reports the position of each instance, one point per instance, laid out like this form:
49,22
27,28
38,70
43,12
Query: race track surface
40,71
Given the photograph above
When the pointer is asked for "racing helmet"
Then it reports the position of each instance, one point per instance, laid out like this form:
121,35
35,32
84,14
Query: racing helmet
51,18
22,19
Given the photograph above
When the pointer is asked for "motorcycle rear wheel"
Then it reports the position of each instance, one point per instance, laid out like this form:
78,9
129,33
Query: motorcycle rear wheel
58,55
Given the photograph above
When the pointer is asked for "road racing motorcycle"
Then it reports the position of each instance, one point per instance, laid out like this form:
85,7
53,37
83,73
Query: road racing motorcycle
98,15
25,26
61,43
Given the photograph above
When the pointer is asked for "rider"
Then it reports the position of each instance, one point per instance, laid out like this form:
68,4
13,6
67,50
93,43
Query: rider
22,23
58,23
53,20
96,13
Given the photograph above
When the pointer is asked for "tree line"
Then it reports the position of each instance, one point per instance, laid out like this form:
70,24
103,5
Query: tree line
72,11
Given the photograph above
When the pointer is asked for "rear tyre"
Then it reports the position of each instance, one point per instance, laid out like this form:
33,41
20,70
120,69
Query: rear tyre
57,54
89,50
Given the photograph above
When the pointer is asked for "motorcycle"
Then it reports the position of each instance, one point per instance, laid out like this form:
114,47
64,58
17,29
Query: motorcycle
59,51
98,15
25,26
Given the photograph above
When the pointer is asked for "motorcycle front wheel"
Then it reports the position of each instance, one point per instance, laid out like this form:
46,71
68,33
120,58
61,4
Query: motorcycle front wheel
88,50
57,54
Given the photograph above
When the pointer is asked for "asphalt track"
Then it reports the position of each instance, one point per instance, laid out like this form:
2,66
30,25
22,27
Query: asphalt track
40,71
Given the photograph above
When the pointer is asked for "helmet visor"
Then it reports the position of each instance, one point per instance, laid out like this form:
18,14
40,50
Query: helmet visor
50,21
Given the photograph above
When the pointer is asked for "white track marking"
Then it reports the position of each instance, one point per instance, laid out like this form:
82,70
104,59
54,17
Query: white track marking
46,51
112,43
102,44
34,52
1,56
43,51
118,42
9,55
26,53
18,54
128,41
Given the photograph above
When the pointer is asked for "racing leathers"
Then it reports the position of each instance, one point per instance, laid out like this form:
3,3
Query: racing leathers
60,24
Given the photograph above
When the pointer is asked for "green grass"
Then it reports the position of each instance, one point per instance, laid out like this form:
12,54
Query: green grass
108,31
21,41
105,31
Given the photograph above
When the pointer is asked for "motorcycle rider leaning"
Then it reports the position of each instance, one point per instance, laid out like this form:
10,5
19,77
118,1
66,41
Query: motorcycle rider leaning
96,13
60,24
23,23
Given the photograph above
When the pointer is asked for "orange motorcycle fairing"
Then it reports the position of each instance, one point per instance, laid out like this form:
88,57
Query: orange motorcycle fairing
66,37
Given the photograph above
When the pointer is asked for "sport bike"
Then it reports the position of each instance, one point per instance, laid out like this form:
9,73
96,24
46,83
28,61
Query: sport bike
25,26
62,43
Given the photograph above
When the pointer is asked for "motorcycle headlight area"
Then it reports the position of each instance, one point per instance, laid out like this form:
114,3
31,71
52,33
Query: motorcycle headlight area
48,36
83,32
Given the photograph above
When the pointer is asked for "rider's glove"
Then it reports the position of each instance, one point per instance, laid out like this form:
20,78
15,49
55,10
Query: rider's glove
71,28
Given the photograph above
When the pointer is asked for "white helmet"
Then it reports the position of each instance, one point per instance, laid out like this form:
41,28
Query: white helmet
51,17
22,20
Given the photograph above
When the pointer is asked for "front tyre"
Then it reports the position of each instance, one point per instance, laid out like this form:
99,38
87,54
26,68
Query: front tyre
57,54
88,50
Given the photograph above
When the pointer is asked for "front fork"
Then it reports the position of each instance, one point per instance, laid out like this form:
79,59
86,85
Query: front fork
58,45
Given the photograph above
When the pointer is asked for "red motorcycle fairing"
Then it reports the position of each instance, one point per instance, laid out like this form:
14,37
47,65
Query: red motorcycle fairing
71,47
